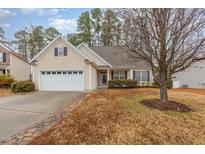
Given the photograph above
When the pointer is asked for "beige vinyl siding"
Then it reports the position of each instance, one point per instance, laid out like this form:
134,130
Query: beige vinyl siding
19,69
73,61
86,76
2,50
94,76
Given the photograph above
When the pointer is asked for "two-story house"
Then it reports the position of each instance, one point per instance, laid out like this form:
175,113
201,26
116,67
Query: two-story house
13,64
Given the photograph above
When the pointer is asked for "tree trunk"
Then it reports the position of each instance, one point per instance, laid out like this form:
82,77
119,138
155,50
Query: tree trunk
163,87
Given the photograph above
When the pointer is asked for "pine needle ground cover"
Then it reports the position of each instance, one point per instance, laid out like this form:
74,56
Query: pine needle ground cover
118,116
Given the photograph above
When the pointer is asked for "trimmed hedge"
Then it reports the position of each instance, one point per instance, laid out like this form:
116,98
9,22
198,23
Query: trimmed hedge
23,86
123,83
6,81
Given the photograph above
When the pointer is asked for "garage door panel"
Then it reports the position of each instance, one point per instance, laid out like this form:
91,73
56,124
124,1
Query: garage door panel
62,81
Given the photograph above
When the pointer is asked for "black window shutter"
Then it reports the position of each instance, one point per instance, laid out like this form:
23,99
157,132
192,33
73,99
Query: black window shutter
134,75
111,75
65,51
55,51
148,79
125,75
4,57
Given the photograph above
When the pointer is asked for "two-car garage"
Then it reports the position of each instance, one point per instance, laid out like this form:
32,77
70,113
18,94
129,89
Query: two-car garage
66,80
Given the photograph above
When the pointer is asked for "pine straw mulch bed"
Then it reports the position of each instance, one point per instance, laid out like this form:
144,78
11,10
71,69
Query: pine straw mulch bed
5,92
117,117
168,106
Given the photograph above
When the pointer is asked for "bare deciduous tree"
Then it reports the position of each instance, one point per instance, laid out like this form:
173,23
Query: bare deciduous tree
170,40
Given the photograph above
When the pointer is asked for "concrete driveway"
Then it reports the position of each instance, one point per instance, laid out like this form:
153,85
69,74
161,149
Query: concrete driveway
21,111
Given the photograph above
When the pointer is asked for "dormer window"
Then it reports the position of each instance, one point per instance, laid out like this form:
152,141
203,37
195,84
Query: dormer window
60,51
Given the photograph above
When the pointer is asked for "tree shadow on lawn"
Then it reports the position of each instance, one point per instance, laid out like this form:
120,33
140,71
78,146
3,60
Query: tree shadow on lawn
169,106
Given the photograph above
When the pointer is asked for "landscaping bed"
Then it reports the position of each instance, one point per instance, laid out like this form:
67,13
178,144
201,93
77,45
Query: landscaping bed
5,92
117,117
168,106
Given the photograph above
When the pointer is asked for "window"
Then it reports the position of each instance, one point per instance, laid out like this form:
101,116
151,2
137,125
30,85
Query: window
58,72
64,72
138,75
75,72
141,75
69,72
43,73
60,51
53,72
119,75
122,75
80,72
1,57
144,76
48,73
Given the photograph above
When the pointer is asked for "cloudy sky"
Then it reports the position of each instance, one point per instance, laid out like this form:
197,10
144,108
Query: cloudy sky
64,20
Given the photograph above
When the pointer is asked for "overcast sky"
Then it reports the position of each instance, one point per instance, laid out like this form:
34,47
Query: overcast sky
63,20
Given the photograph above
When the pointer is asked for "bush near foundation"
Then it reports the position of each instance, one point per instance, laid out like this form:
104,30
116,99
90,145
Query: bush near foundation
23,86
123,83
6,81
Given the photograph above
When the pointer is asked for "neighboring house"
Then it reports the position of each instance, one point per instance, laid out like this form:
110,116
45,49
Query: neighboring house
61,66
193,77
13,64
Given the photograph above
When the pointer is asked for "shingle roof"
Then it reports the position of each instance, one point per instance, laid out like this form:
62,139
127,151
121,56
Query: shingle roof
119,56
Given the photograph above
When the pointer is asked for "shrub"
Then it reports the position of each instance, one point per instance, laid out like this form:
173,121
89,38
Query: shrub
185,86
23,86
123,83
6,81
169,84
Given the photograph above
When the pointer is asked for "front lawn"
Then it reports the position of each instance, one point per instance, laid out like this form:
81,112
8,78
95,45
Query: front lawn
118,117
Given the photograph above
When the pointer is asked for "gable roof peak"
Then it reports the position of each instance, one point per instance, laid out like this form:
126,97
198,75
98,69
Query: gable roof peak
50,43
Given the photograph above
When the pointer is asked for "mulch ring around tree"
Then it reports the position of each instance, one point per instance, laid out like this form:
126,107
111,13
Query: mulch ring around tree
169,106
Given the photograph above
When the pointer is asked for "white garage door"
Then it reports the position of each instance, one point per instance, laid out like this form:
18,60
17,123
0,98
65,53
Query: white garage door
61,80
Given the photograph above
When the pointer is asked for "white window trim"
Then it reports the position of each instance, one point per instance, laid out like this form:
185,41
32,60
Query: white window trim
141,74
1,56
60,51
118,75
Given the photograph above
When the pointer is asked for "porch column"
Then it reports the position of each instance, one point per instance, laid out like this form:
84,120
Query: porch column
90,76
108,75
150,78
131,74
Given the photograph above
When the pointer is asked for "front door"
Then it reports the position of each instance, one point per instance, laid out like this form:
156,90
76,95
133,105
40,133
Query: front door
102,78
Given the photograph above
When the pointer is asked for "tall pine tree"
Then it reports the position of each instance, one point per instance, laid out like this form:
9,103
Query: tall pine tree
74,39
109,26
36,40
51,33
84,28
96,15
21,41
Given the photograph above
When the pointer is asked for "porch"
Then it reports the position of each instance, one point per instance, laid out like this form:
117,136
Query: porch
144,77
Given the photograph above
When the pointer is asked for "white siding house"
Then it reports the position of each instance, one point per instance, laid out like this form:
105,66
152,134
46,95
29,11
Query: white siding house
193,77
